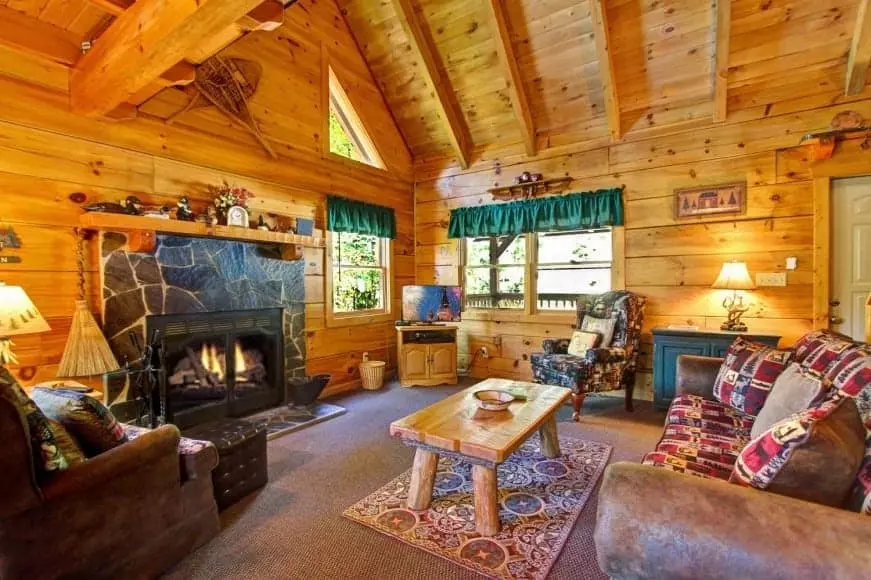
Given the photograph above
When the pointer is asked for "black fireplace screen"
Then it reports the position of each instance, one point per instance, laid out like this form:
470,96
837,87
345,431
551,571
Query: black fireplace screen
221,364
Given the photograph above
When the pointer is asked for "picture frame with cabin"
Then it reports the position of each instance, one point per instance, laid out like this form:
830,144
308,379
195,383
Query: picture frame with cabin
730,198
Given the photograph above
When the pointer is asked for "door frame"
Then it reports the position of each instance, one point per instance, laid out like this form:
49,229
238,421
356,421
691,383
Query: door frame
849,160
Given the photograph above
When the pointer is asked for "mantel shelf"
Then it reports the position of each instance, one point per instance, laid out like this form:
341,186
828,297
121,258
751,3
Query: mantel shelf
142,232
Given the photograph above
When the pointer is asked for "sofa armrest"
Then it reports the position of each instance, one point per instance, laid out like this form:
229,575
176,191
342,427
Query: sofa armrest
196,457
123,460
655,523
555,345
696,375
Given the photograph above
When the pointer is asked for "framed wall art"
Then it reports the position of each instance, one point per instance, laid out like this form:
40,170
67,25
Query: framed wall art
711,200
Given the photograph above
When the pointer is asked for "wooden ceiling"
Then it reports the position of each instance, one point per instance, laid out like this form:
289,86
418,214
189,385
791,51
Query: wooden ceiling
594,71
463,77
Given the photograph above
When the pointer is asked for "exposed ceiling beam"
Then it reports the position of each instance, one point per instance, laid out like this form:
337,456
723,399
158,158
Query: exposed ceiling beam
599,15
144,42
23,33
505,50
449,109
721,59
860,51
267,16
113,7
182,74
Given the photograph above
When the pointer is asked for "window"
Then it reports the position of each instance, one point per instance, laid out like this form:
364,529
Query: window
563,265
571,263
496,272
348,136
358,279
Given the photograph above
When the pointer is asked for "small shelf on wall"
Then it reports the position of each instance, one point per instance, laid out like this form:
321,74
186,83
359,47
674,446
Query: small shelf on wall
142,233
529,189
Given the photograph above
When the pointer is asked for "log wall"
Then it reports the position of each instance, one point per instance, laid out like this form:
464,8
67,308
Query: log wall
671,262
47,153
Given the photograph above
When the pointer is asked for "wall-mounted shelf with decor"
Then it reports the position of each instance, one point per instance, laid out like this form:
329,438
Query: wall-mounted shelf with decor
529,189
142,233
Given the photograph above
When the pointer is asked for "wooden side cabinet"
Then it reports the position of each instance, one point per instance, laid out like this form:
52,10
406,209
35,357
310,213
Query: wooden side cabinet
670,343
427,355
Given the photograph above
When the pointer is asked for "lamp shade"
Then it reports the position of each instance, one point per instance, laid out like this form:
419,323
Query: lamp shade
734,276
18,315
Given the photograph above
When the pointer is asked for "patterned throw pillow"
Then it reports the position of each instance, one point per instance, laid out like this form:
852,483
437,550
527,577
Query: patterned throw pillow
582,342
813,340
813,455
602,326
91,423
823,353
748,373
47,455
67,443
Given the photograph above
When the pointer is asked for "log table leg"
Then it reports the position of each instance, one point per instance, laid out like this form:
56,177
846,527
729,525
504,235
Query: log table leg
423,474
549,439
486,501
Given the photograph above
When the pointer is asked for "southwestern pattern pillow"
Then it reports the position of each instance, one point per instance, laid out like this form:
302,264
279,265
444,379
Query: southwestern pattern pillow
47,455
88,420
814,455
748,373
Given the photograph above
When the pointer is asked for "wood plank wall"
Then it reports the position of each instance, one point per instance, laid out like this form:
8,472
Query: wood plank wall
47,153
672,263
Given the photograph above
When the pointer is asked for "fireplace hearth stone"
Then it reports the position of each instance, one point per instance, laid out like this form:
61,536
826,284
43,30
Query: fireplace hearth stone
286,419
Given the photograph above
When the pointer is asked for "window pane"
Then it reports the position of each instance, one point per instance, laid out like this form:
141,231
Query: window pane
515,253
478,252
356,250
510,287
340,142
574,247
558,287
357,289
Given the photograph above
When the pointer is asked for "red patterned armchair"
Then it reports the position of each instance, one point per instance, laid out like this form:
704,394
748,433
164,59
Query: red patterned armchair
609,367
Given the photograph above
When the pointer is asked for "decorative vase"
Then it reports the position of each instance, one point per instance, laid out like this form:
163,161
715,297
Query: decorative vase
305,391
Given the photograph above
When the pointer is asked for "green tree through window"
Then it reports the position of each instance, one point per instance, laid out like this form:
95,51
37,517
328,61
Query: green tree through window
358,273
340,142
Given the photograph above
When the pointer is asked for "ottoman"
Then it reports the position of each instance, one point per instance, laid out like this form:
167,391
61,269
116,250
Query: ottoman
241,457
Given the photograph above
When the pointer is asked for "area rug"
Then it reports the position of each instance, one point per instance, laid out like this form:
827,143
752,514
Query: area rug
539,501
285,419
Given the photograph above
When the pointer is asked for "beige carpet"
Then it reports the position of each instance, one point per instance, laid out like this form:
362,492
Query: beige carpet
294,527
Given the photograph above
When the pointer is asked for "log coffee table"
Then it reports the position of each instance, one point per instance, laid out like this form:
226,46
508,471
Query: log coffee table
456,426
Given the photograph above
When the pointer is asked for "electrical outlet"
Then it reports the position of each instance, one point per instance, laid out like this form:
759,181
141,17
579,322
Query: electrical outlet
771,279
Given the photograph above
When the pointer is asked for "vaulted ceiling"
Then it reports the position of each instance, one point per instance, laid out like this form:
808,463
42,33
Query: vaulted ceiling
464,77
591,71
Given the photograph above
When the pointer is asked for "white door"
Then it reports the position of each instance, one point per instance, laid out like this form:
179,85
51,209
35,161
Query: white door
851,254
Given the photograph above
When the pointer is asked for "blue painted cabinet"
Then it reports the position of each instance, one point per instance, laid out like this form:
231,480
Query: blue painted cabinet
670,343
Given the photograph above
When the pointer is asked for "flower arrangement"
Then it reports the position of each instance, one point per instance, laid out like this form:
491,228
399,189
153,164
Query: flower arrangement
227,196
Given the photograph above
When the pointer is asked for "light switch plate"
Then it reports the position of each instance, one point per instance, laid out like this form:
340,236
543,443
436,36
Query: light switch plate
771,279
791,263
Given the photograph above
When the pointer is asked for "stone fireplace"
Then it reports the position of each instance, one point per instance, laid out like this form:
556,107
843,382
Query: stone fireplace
231,314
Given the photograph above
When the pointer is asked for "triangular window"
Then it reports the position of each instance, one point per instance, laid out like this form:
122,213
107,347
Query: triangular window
348,137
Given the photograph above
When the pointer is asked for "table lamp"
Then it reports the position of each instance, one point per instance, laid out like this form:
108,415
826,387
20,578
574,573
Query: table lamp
18,315
735,277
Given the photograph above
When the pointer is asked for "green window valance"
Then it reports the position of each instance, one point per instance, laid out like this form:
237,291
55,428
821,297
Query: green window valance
548,214
348,215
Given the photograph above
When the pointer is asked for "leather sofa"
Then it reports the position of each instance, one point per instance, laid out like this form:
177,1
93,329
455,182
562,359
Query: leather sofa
130,512
686,521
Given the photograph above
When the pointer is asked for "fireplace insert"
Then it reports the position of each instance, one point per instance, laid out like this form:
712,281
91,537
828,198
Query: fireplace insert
220,364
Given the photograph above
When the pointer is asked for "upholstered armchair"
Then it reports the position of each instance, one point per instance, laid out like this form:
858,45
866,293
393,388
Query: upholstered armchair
608,367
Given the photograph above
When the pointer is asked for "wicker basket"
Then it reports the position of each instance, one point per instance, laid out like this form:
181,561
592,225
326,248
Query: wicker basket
372,373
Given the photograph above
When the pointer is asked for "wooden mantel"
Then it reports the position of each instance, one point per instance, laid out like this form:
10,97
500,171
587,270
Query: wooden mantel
142,232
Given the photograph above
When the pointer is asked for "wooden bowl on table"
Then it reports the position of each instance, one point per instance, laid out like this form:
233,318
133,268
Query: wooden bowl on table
494,399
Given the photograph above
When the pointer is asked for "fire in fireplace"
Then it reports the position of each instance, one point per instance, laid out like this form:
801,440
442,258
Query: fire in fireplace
207,367
221,364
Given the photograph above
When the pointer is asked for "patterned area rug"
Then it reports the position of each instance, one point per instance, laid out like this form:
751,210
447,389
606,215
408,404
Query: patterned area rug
539,501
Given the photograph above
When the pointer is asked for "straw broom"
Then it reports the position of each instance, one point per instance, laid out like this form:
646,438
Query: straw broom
86,353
